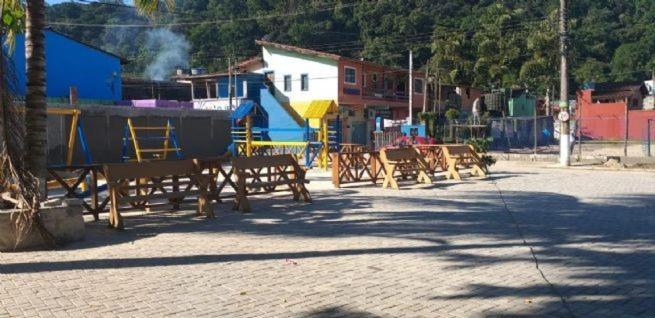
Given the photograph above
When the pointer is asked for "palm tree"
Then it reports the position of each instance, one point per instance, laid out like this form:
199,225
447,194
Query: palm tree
35,100
31,178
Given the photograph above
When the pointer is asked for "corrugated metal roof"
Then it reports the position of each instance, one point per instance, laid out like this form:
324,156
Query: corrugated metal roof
243,110
320,108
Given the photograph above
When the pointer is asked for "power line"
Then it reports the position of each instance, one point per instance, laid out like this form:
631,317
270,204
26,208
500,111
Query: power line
219,21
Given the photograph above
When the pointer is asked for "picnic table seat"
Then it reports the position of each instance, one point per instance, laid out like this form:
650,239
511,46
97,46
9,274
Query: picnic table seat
139,184
266,174
462,156
403,163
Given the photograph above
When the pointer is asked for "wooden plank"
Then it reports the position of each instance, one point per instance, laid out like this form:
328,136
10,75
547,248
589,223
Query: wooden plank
395,154
243,163
148,197
118,171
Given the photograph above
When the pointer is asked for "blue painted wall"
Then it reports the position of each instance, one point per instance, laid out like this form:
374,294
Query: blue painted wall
253,83
278,118
96,74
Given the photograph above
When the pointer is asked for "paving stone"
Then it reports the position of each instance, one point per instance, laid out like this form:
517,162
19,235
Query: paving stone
446,250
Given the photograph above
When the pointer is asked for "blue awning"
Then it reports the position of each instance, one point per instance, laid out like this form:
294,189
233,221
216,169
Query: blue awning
243,110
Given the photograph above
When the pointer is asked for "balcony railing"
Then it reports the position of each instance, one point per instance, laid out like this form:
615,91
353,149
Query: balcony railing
385,95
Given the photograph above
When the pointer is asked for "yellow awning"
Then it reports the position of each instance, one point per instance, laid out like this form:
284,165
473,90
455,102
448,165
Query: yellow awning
320,108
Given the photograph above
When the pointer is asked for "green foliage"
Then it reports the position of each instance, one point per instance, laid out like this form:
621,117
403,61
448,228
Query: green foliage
490,44
13,21
430,120
452,114
481,145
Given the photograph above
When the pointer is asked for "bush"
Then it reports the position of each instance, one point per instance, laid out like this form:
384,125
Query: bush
452,114
481,145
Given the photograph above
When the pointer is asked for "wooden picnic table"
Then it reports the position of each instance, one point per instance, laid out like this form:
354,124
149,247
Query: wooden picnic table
83,174
403,163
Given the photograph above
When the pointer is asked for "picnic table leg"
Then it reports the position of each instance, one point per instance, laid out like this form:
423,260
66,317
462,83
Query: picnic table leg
389,179
115,218
452,170
205,206
241,200
423,177
94,194
176,188
477,171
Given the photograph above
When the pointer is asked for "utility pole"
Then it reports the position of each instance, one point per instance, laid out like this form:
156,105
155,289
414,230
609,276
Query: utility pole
229,82
564,116
411,86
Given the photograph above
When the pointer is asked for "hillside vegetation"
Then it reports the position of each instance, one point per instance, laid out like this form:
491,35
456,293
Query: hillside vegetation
483,43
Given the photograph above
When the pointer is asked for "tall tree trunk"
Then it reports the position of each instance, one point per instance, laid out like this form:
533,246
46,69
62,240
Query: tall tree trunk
35,98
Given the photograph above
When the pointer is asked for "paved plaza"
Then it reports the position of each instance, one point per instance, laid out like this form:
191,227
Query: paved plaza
452,249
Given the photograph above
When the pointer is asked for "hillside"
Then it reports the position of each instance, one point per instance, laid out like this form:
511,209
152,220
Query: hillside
484,43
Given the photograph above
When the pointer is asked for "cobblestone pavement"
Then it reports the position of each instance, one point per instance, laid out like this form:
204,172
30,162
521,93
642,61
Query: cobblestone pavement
446,250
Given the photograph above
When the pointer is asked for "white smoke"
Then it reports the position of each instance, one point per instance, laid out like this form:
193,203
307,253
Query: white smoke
172,51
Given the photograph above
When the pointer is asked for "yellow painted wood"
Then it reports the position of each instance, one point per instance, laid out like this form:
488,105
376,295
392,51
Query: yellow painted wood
167,135
248,136
72,135
63,111
135,141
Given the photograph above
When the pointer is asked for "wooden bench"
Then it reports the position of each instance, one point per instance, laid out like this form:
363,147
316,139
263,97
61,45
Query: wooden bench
403,163
265,174
462,156
141,183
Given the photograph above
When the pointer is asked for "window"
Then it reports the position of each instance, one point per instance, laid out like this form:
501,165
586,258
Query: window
374,80
363,79
351,75
400,86
418,86
304,82
287,83
388,84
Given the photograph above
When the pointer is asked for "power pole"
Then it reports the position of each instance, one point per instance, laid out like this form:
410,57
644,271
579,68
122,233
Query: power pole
411,86
564,135
229,82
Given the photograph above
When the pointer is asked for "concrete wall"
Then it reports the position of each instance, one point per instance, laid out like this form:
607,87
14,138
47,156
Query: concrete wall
201,133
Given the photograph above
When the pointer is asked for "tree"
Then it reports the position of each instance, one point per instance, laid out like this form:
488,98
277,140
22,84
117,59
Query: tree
35,98
32,181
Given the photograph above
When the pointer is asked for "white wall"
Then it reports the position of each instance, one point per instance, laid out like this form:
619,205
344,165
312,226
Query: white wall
323,75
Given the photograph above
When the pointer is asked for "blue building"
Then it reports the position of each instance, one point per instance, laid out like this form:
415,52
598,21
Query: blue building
95,73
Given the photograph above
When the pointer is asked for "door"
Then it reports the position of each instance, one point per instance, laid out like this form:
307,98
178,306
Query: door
358,132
